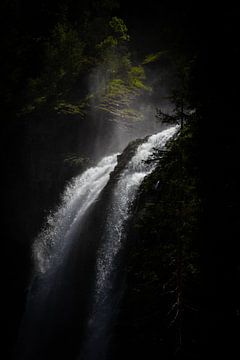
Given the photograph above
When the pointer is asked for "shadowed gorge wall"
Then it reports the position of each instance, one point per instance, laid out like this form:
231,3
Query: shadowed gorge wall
79,81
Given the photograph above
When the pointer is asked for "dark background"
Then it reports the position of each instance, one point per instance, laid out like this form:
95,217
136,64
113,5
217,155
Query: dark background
211,32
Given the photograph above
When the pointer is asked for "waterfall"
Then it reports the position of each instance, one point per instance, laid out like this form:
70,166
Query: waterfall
105,302
50,287
51,245
83,239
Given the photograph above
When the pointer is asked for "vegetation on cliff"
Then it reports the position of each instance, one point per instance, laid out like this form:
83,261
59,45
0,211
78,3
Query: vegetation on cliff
183,269
161,304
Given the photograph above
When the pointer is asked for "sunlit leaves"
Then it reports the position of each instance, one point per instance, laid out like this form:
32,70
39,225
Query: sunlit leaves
65,53
119,28
152,57
98,47
136,77
119,82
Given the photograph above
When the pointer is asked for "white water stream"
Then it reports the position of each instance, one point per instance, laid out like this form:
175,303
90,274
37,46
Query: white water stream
51,298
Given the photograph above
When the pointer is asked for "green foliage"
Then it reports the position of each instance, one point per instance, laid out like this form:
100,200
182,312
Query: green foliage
119,95
117,88
65,49
96,44
71,109
152,57
119,81
64,63
120,29
67,58
116,36
163,268
116,98
109,43
136,77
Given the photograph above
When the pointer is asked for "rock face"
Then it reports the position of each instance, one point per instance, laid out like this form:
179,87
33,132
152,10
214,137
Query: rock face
79,258
35,177
76,284
159,313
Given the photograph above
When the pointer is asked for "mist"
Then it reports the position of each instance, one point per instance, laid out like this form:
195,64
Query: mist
113,131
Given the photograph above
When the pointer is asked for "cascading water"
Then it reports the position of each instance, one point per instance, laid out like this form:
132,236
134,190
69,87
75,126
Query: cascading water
49,292
105,302
61,246
51,245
